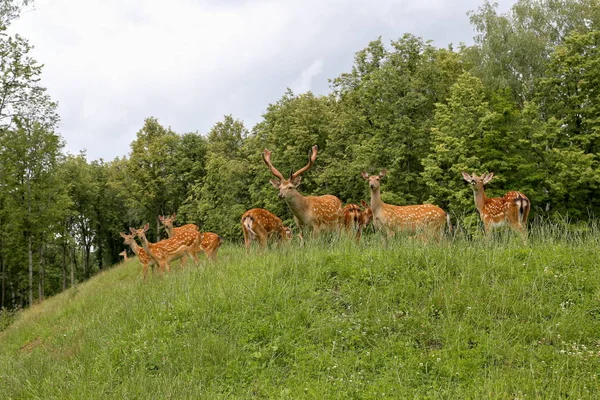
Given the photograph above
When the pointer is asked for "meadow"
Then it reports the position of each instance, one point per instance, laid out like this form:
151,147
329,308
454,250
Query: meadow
464,318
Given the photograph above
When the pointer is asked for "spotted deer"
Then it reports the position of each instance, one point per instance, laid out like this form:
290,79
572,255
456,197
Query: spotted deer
141,254
315,213
259,224
171,249
209,241
364,219
425,219
511,209
351,216
194,241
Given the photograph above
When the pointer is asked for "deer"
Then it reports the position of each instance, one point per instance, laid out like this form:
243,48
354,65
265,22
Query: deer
351,216
144,257
124,255
209,242
511,209
260,224
425,219
364,219
170,249
315,213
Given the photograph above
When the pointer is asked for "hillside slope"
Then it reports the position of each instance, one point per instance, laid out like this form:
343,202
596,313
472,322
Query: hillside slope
452,320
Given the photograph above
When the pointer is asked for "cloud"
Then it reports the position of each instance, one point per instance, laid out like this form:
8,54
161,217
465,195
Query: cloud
303,83
112,63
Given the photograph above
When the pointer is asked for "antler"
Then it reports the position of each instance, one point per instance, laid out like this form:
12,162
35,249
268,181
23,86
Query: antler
266,155
311,160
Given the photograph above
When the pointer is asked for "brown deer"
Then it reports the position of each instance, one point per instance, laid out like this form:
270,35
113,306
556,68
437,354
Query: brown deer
170,249
315,213
425,219
124,255
511,209
259,224
209,242
351,216
364,219
171,230
144,257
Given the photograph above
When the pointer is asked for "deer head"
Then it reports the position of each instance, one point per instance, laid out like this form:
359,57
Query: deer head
128,239
287,187
478,182
374,180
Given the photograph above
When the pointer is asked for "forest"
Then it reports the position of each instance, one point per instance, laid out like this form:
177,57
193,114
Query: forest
523,101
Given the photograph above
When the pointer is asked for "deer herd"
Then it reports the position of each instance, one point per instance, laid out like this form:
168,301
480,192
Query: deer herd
315,214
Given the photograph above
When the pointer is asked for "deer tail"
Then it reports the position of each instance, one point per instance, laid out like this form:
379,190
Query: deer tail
248,223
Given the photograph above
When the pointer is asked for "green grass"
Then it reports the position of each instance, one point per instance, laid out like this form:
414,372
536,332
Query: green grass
459,319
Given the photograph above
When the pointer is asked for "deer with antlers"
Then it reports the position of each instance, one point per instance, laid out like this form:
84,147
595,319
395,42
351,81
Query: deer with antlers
209,242
171,249
317,213
425,219
511,209
259,224
144,257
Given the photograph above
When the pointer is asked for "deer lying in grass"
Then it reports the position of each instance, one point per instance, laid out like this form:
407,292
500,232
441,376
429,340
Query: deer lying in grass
209,242
141,254
424,219
511,209
259,224
170,249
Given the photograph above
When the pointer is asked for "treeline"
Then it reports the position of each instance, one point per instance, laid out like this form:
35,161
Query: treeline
523,102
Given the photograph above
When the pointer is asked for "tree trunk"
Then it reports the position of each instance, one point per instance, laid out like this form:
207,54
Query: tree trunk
30,261
73,257
157,229
41,274
64,267
3,284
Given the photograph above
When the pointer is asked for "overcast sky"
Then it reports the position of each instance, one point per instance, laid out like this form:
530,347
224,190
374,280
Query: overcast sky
112,63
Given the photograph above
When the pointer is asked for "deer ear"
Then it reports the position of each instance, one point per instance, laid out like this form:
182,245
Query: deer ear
161,219
174,216
383,173
132,230
275,183
146,227
364,204
487,178
467,177
297,180
123,235
365,175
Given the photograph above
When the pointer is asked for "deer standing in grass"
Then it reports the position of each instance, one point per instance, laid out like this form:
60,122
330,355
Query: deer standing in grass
364,219
315,213
209,242
259,224
171,249
511,209
425,219
124,255
141,254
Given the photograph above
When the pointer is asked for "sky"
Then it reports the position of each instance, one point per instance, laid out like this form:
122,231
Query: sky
112,63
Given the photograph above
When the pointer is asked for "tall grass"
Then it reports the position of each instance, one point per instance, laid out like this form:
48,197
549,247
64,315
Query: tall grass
458,319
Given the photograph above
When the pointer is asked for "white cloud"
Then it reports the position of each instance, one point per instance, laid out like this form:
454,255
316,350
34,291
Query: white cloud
303,83
112,63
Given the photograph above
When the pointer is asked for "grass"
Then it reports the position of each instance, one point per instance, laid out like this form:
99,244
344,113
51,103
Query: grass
336,320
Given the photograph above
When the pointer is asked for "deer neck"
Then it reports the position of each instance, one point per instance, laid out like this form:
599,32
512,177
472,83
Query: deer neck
480,199
298,204
134,247
146,245
376,203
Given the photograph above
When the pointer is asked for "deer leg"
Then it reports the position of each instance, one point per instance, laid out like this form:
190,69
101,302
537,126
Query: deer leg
247,239
145,270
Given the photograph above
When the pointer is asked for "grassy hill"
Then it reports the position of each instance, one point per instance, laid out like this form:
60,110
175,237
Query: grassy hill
460,319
